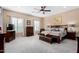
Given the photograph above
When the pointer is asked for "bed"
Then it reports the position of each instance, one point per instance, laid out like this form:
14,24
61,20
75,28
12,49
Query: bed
57,33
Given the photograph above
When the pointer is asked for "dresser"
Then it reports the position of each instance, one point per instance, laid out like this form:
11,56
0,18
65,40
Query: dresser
29,31
1,43
10,35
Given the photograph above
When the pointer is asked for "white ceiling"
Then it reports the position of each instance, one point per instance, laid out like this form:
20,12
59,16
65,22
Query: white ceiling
32,9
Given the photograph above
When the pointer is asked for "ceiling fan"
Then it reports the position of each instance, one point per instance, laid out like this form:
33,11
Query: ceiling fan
43,9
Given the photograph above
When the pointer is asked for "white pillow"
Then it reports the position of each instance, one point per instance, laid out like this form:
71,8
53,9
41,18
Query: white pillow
61,29
52,29
48,29
56,29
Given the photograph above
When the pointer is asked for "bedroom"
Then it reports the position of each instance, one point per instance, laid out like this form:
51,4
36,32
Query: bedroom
29,21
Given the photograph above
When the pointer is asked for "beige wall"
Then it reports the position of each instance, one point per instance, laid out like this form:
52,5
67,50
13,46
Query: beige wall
42,23
67,17
70,17
8,13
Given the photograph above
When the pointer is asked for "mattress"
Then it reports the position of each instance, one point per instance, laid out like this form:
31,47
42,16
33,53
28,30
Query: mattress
56,33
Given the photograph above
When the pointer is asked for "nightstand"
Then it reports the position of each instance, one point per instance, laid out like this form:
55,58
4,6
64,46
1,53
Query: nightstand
71,35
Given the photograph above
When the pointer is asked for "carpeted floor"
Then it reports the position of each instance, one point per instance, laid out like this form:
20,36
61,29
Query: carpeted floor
34,45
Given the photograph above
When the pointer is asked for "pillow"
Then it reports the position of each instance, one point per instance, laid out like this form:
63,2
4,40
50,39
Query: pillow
48,29
62,29
52,29
57,29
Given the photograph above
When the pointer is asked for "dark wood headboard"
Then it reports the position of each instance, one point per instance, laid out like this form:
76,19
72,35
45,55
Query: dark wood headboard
59,26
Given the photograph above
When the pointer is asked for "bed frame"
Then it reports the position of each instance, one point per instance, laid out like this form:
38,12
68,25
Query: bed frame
51,38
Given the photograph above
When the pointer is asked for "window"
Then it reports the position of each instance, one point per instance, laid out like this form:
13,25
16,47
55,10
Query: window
37,25
18,24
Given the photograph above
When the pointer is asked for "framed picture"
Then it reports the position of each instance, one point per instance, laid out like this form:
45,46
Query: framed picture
28,22
58,20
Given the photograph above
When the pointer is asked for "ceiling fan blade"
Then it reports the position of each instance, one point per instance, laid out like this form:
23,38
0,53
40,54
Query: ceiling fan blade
47,10
43,7
36,9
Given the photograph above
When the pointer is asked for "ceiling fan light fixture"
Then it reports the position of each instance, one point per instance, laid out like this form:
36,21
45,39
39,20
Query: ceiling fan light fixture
43,9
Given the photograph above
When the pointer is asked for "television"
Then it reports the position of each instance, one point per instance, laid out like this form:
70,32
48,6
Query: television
10,27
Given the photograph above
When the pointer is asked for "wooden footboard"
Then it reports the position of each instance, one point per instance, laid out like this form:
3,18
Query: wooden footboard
46,38
57,38
49,38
